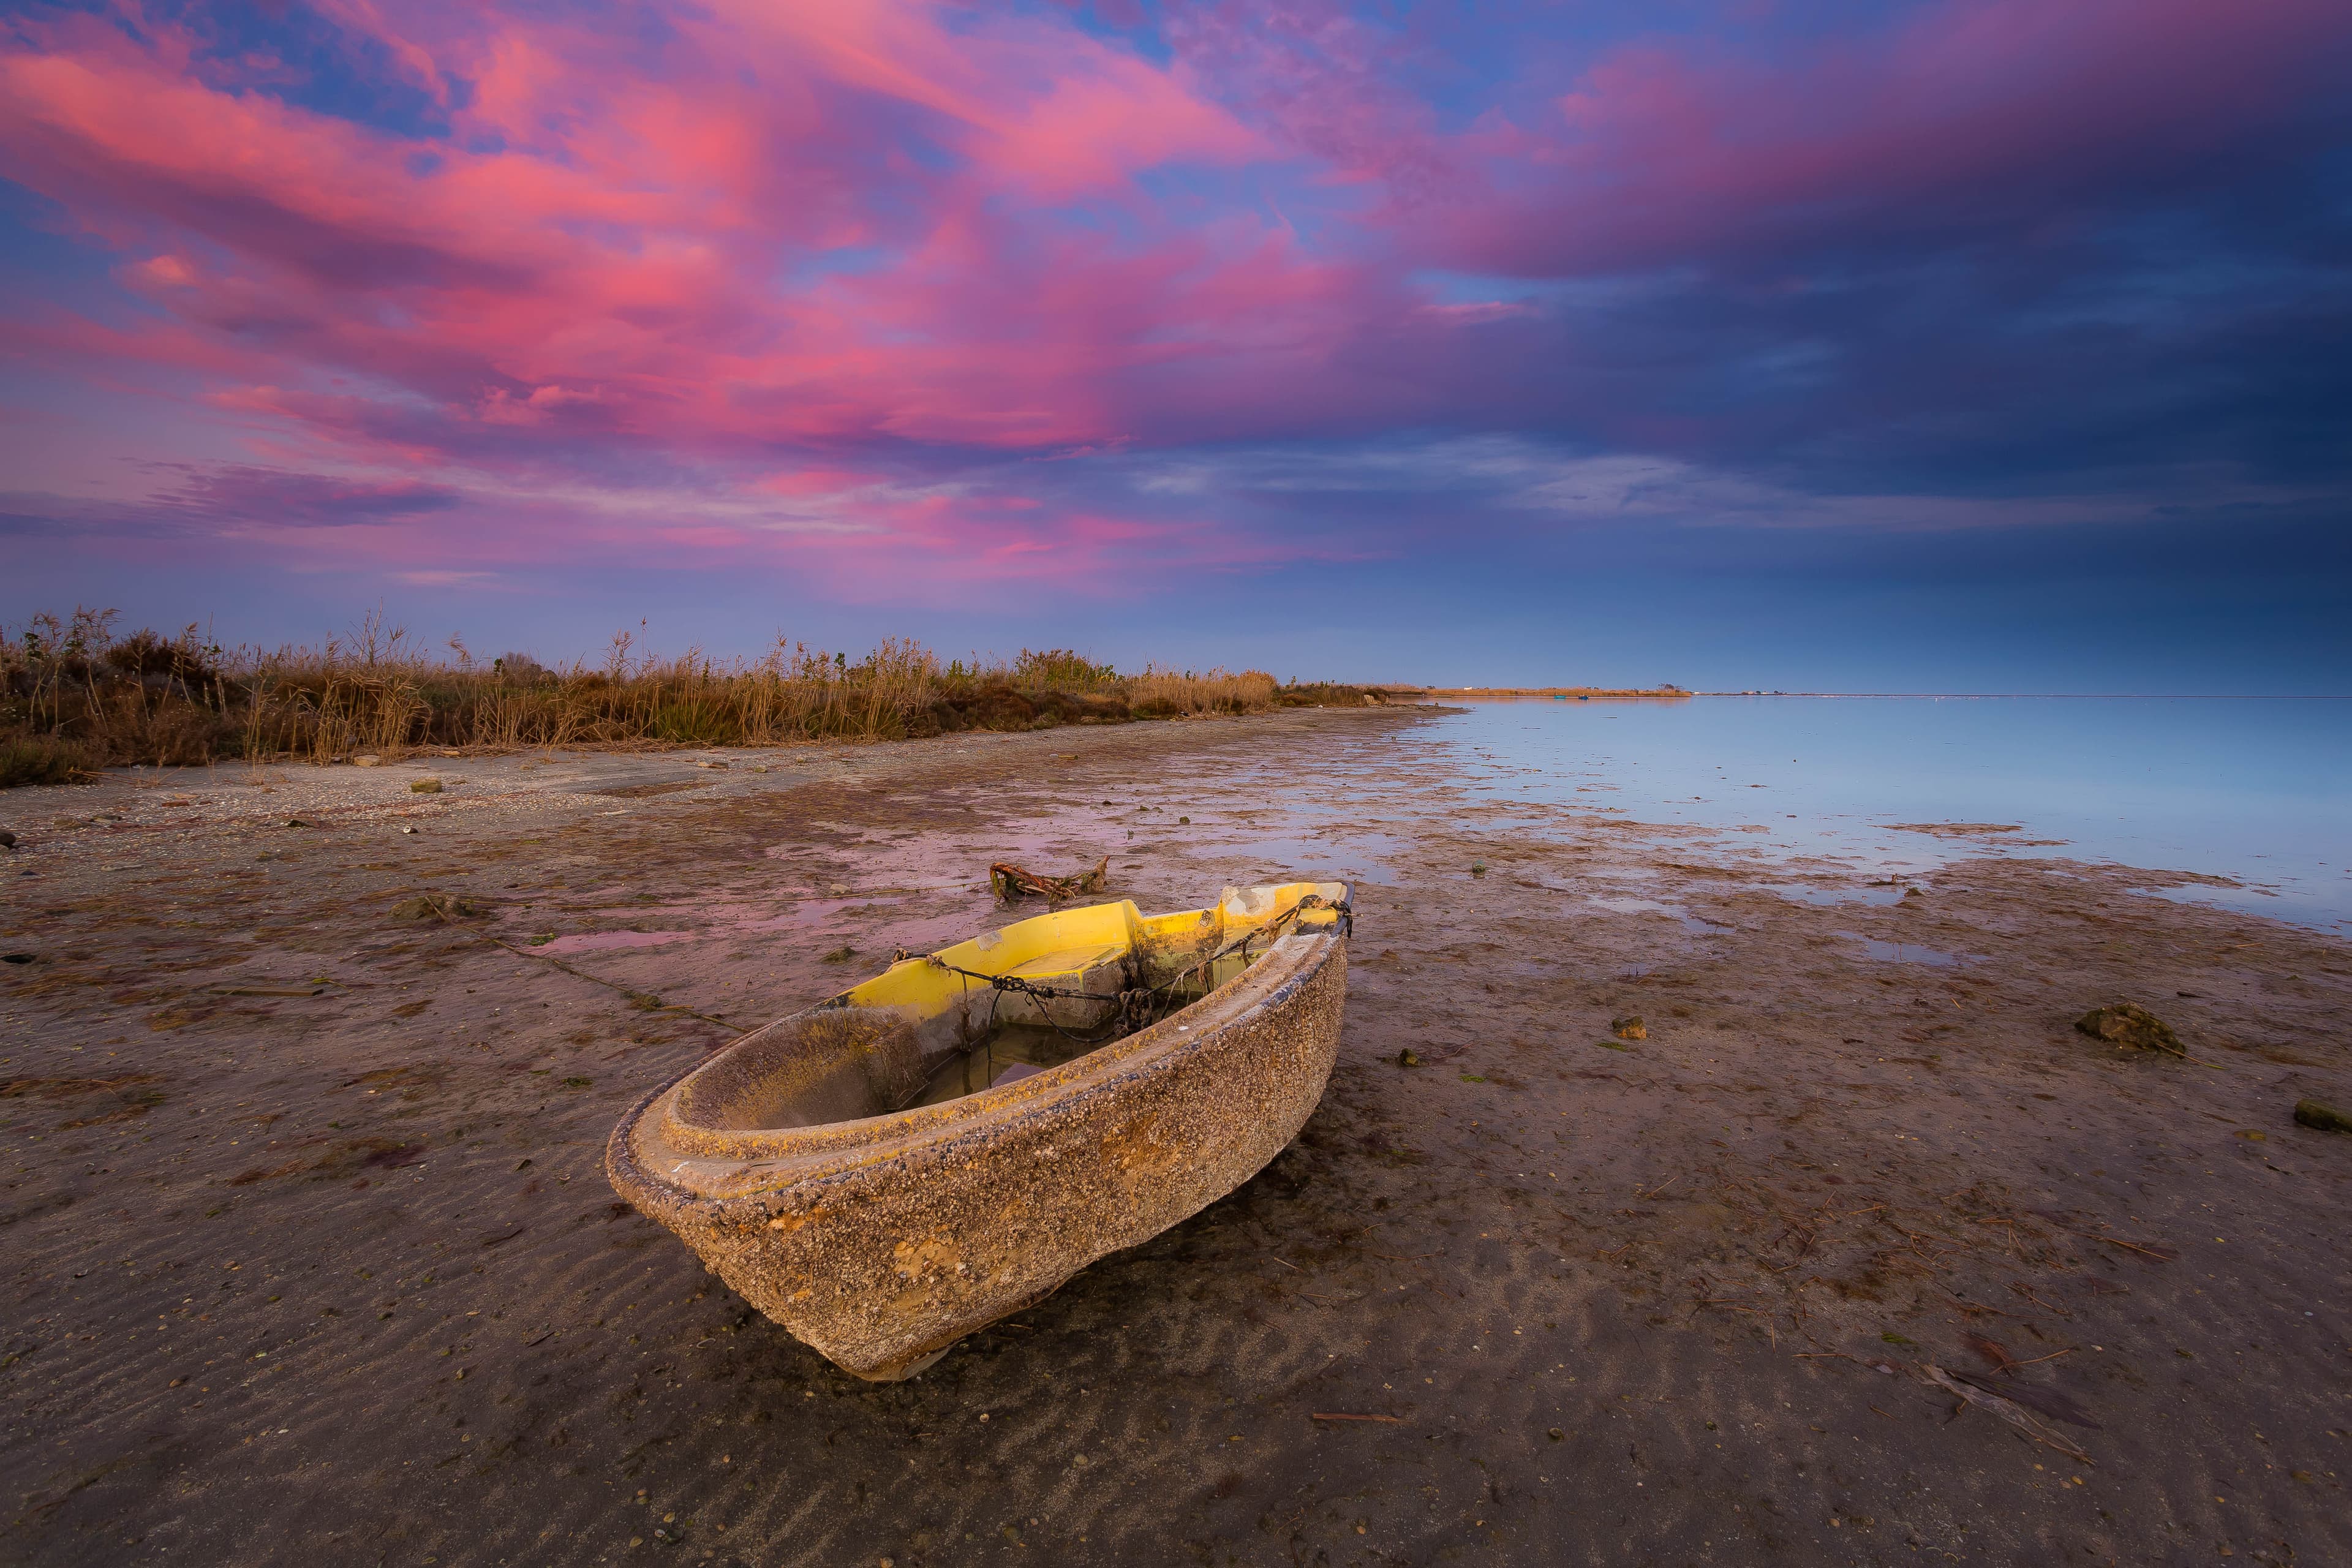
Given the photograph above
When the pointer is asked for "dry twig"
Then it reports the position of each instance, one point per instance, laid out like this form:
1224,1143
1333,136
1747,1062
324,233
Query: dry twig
2009,1410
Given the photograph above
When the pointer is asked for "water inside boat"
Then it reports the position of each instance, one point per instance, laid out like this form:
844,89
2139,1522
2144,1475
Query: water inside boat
1011,1051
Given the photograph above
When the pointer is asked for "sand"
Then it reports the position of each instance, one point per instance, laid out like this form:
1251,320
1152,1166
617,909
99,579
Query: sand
309,1251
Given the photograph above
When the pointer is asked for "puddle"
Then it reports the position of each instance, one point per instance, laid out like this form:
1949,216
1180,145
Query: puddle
2297,900
1627,904
1906,952
1808,893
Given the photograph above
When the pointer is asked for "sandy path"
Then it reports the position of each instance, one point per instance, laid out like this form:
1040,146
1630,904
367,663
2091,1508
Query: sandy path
308,1248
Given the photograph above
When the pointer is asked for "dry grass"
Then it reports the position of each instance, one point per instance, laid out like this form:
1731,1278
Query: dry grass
43,759
1162,693
74,698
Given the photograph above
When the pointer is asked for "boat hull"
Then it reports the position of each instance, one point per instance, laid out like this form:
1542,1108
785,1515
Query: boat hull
881,1241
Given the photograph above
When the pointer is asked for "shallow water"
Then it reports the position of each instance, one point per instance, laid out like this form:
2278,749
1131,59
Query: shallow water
1880,951
2258,790
1627,904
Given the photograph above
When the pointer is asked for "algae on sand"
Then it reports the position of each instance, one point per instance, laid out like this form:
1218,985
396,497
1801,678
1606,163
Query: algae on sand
2321,1116
442,908
2127,1024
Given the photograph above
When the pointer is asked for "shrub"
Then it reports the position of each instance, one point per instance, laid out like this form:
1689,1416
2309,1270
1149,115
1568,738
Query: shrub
45,760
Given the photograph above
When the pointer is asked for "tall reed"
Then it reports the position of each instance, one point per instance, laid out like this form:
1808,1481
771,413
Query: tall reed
74,697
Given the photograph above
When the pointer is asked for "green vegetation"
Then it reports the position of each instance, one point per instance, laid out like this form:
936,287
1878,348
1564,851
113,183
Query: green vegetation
74,698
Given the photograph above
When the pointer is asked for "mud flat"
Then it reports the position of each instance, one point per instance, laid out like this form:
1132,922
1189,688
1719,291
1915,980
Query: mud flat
308,1248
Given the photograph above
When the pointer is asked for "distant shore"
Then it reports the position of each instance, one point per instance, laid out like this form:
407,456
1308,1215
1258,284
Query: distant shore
1504,693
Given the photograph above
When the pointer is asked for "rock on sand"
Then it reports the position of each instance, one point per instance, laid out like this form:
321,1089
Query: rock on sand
2129,1024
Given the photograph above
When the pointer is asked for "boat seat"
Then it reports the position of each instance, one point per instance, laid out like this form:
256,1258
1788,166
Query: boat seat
1068,960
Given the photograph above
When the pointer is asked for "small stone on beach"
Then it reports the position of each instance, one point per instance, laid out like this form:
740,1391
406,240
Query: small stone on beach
425,786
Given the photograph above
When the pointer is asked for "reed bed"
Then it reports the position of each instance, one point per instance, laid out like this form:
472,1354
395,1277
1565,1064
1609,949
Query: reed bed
75,697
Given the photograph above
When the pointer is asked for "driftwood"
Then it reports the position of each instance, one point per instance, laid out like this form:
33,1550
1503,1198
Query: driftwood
1009,882
1972,1391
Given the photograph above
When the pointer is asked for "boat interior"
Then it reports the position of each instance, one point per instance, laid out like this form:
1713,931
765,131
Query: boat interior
993,1010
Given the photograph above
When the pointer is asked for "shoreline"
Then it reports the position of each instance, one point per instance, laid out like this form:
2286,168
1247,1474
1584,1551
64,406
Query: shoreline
314,1247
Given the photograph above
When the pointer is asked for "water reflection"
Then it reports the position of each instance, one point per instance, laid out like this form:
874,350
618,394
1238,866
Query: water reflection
1627,904
1905,953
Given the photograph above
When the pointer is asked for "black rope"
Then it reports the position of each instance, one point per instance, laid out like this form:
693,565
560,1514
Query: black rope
1130,1006
1311,902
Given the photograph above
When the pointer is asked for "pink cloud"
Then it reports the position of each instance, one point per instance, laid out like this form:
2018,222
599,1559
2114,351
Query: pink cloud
624,237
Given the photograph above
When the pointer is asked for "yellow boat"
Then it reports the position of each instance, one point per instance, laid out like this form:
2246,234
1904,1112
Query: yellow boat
946,1143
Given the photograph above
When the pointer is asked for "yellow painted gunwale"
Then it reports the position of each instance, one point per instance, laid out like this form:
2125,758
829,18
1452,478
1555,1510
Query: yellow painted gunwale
1063,948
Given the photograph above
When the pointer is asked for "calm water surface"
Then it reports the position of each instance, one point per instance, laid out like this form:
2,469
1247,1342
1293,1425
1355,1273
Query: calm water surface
2258,790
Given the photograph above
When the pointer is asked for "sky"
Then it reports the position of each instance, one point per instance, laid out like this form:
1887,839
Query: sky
1855,345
